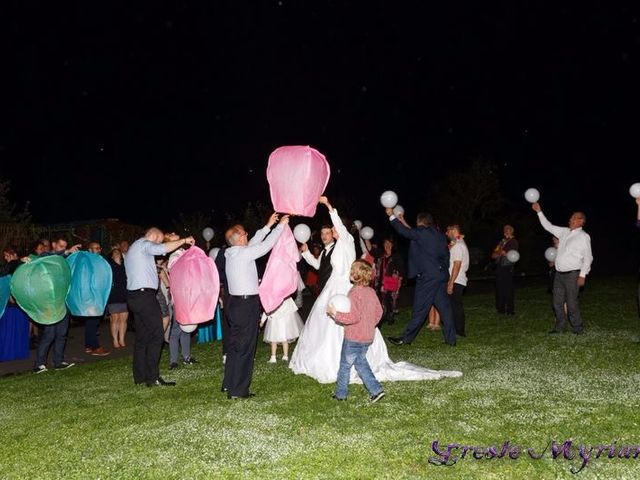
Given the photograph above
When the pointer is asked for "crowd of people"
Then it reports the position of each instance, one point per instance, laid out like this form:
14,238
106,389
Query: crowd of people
329,342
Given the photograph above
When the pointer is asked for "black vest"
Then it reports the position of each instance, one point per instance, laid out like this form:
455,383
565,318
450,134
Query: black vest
324,272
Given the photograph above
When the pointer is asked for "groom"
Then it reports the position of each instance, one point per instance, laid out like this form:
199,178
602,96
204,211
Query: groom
429,264
322,264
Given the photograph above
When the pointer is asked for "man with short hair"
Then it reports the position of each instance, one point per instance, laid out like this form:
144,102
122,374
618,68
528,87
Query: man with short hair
458,266
55,334
244,304
323,263
142,285
429,265
572,264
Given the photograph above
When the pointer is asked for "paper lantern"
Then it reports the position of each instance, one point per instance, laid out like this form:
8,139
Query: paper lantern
40,288
398,210
357,224
634,190
188,328
297,176
532,195
280,277
302,233
213,253
341,303
195,286
91,279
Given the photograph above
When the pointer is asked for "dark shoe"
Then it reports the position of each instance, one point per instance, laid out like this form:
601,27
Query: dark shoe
579,332
398,341
64,365
377,397
173,366
161,383
236,397
337,398
40,369
554,331
189,361
100,352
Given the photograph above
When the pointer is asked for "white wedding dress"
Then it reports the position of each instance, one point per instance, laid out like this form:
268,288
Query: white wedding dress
317,353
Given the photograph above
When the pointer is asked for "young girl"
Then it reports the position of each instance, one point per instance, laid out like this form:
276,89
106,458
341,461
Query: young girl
283,326
359,329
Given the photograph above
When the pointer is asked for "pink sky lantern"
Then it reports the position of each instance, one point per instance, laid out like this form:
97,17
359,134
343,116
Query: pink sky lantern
195,286
297,177
280,277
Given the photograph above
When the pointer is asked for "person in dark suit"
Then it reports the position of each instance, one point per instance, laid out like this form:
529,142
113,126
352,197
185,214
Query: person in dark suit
429,265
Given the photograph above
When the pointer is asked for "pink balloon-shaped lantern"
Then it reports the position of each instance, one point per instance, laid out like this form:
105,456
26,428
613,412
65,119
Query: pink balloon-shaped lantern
195,286
297,177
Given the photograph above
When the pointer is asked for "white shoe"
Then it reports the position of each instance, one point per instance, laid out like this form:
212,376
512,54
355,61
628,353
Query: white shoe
272,359
285,358
224,359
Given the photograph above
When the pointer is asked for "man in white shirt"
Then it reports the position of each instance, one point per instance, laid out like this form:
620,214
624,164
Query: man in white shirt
322,263
458,266
572,264
244,304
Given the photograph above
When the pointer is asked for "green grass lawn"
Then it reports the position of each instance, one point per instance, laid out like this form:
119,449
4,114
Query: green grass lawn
519,385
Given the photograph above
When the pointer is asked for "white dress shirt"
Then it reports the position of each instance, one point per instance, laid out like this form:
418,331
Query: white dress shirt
459,253
574,249
313,261
240,267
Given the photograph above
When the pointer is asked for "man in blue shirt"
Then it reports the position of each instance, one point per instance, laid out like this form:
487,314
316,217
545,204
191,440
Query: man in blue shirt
142,285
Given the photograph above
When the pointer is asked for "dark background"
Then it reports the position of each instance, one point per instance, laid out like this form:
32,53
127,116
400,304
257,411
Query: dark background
141,111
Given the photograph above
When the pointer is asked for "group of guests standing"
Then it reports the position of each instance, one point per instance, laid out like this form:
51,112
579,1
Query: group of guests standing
327,349
568,273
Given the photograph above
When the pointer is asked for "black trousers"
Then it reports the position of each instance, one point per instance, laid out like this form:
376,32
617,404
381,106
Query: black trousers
244,317
430,292
225,324
149,335
388,306
458,308
504,289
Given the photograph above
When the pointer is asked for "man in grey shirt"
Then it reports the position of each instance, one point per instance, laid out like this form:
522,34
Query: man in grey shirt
142,284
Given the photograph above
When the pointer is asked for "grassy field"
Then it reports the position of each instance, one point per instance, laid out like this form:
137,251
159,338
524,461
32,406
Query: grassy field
520,385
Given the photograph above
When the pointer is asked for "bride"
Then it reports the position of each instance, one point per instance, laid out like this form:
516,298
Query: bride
317,353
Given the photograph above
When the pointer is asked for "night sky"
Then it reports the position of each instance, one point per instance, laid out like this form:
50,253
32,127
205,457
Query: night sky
145,111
